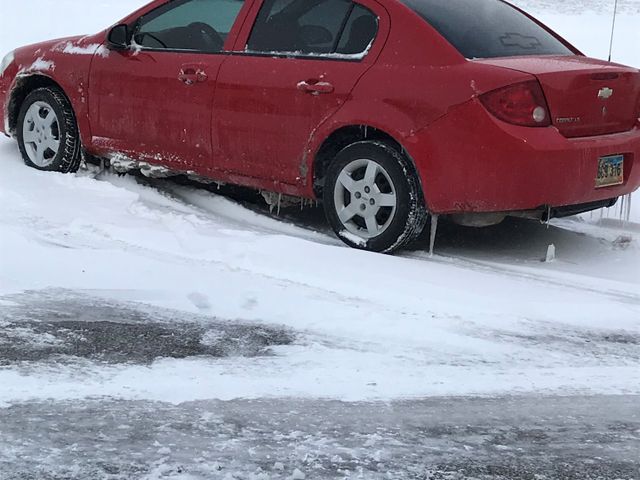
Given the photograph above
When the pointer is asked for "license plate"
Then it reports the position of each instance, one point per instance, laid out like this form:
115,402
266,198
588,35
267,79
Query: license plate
610,171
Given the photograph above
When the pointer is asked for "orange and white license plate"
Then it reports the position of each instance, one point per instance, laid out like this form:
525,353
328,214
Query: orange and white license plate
610,171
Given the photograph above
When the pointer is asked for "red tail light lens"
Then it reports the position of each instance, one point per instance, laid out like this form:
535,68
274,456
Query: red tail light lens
521,104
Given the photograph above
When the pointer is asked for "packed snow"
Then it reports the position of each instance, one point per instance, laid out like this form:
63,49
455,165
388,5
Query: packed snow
486,315
71,49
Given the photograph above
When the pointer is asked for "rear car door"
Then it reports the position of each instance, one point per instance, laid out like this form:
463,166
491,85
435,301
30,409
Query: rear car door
153,102
291,69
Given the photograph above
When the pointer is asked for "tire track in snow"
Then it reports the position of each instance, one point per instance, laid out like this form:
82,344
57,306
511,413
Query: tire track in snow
217,207
526,274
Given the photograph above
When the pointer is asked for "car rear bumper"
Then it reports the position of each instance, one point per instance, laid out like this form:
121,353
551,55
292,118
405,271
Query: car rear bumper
471,162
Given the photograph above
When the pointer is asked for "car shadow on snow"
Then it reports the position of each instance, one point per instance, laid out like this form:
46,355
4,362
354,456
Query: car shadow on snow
60,325
522,240
518,239
515,240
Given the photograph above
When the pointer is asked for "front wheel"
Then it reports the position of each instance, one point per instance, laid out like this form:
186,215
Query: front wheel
48,133
372,198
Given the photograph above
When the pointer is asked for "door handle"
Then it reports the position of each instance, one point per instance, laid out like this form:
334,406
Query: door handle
315,87
190,75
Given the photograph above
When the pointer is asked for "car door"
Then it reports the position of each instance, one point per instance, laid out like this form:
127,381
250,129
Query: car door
291,69
153,101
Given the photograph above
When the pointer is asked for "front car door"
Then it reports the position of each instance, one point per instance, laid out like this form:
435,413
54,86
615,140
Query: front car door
291,69
153,102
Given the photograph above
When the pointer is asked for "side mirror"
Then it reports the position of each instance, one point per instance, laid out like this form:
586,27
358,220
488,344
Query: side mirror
118,37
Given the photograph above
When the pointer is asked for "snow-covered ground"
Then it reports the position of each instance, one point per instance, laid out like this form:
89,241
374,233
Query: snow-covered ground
485,316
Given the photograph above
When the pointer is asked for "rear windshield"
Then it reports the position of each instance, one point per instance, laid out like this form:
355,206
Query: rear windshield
487,28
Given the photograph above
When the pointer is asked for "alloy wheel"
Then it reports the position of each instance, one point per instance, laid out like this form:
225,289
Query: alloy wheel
365,198
41,134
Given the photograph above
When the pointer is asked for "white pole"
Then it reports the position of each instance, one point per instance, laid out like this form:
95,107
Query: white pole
613,28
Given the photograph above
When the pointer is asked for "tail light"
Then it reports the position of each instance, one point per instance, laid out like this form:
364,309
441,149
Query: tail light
520,104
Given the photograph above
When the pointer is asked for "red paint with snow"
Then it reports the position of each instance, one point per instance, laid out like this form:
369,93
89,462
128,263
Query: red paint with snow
497,134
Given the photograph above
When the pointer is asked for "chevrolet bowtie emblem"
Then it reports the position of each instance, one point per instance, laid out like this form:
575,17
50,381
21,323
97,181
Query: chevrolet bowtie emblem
605,93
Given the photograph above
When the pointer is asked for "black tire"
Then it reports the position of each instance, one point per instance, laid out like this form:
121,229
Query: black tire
67,159
409,218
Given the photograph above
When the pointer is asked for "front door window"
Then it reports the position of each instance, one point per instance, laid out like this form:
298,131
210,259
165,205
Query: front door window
188,25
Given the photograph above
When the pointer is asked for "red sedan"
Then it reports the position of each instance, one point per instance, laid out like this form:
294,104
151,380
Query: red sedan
386,110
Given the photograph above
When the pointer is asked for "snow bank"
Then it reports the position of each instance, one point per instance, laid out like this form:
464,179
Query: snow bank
486,316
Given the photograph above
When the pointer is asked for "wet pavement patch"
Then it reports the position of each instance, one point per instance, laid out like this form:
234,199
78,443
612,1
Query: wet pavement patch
524,438
583,342
42,328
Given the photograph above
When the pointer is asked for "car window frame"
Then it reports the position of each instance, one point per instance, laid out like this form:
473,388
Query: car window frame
135,24
370,55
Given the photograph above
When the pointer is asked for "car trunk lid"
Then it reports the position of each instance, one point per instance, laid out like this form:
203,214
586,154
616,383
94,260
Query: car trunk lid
587,97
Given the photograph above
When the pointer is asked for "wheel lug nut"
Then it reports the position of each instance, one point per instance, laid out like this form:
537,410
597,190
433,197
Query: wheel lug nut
358,195
372,201
363,206
367,190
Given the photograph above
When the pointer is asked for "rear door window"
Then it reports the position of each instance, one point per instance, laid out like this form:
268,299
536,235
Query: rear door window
313,27
488,28
359,31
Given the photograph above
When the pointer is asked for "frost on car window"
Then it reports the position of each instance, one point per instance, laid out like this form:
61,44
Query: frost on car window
521,41
488,28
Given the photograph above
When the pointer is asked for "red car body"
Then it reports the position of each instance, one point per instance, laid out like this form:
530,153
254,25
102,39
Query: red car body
247,119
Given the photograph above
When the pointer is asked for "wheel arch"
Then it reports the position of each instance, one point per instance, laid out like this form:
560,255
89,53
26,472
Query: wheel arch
346,135
24,85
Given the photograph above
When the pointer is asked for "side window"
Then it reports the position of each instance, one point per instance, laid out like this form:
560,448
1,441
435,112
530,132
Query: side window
359,32
488,29
313,27
320,27
188,25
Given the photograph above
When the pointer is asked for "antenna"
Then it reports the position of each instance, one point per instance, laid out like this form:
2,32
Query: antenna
613,28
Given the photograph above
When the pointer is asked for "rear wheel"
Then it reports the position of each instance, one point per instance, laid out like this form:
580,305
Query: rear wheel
48,133
372,198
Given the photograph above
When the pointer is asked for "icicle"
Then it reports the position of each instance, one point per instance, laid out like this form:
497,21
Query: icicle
432,239
621,209
279,203
551,253
625,209
548,216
